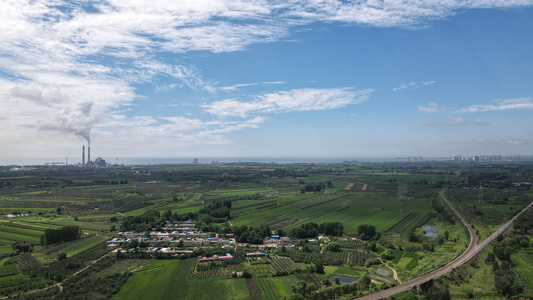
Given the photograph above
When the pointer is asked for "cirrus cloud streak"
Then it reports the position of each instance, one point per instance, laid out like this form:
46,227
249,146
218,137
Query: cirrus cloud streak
501,104
287,101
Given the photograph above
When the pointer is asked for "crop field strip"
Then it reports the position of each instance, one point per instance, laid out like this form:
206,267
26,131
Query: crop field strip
7,227
41,224
8,270
237,192
359,258
321,211
282,289
12,236
393,226
280,264
407,224
64,221
343,255
251,208
269,291
422,221
319,200
84,245
523,262
261,270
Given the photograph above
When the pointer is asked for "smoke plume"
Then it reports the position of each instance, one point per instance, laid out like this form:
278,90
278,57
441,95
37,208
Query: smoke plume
78,119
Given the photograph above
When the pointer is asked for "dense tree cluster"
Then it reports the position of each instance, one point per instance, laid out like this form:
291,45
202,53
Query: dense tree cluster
214,212
217,209
437,293
504,277
367,231
106,182
443,214
63,234
144,222
312,230
524,223
251,234
306,290
21,247
312,255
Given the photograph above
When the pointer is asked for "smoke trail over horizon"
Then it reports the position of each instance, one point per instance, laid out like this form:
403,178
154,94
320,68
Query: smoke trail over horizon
78,120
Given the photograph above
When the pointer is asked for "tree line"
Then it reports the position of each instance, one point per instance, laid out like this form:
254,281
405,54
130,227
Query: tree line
312,230
63,234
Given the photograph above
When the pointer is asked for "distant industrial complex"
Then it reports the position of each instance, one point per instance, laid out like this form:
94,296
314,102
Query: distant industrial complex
98,162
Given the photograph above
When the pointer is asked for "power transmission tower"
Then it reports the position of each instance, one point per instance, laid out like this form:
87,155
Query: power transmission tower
402,189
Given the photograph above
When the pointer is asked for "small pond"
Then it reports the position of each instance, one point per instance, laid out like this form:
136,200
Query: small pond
343,279
429,231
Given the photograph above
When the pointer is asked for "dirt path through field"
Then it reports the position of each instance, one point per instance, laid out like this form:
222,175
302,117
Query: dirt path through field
364,187
395,274
348,186
59,283
24,224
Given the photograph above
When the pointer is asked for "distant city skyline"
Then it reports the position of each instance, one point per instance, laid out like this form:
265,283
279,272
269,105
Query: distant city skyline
321,79
111,161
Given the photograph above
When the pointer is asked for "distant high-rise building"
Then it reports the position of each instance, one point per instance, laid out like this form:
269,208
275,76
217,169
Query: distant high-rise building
195,161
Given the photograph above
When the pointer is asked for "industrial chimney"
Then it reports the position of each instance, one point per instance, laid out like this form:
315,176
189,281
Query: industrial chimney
89,153
83,155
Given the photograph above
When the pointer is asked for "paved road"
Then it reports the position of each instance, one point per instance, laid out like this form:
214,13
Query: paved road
471,251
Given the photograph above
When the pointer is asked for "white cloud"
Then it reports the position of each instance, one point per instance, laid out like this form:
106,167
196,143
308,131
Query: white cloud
287,101
431,108
166,132
274,82
501,104
221,37
479,122
251,123
451,122
515,142
71,65
455,121
236,86
413,85
406,13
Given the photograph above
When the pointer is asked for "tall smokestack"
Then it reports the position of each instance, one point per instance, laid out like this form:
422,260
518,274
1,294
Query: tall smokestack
83,155
89,153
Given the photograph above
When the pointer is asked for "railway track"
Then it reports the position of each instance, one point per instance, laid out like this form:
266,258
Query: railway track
472,250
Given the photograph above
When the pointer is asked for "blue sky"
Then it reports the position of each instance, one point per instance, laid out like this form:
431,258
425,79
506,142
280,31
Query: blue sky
265,78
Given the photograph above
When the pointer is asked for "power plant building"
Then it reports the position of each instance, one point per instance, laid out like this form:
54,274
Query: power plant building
98,162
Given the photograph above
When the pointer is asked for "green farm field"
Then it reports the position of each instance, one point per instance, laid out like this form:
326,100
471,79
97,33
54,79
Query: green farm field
172,281
523,261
